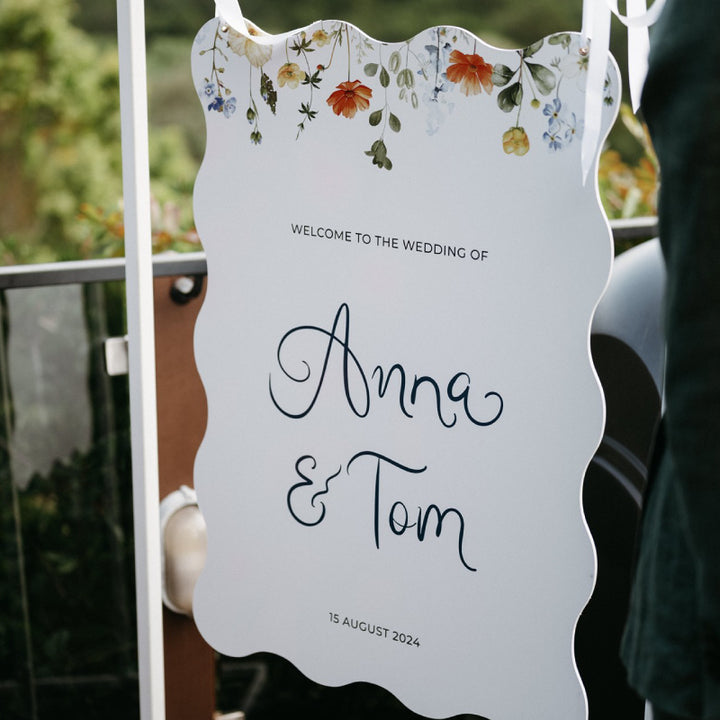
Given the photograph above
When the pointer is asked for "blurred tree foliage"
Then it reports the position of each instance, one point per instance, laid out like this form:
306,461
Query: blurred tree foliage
60,135
58,129
629,188
518,23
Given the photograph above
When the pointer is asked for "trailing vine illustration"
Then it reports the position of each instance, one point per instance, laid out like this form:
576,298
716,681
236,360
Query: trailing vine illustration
434,72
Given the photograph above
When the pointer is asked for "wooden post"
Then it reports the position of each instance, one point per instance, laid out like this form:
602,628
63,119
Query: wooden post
182,416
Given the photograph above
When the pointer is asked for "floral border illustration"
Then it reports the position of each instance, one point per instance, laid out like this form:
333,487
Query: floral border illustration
430,78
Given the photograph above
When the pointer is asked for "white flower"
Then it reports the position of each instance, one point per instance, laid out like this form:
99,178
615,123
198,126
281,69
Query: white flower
575,64
256,53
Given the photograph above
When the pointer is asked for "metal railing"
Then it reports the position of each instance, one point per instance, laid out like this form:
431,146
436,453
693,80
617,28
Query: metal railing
104,270
86,271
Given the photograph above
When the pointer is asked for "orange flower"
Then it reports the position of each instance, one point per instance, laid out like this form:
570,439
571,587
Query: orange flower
350,97
515,141
471,71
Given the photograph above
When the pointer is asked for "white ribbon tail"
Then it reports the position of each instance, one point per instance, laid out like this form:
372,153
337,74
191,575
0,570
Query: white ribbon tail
638,50
596,27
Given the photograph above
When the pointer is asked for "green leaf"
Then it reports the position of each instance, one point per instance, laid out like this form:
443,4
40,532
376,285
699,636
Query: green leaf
387,164
510,97
409,78
371,69
301,46
544,77
502,75
394,123
530,50
268,92
560,39
384,77
375,117
313,79
394,62
306,110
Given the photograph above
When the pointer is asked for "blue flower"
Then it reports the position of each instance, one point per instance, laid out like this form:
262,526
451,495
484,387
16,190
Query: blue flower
230,106
553,111
436,58
571,128
441,56
441,87
553,140
216,104
209,89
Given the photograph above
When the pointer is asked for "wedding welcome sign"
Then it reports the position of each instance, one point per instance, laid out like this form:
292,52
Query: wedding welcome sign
403,262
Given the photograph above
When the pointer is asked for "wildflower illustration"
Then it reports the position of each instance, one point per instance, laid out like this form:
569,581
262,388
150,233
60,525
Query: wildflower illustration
378,150
436,95
321,38
471,72
515,141
290,74
349,97
431,74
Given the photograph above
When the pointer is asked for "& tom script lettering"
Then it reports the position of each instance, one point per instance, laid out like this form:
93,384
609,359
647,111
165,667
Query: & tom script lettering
309,373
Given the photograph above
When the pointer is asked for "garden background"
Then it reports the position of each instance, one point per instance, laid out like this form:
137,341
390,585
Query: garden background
67,624
60,173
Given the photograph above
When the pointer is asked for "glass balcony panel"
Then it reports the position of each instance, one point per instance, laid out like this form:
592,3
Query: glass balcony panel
67,623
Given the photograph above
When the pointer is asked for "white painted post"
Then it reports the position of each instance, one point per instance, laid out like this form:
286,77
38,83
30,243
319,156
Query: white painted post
143,412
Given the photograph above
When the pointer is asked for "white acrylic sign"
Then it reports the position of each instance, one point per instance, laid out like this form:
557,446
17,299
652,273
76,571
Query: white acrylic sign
403,263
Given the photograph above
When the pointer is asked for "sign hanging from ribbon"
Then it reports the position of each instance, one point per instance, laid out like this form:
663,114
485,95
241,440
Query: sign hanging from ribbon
403,263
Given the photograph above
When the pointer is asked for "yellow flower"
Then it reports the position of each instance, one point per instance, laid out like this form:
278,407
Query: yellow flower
515,141
320,38
256,53
291,75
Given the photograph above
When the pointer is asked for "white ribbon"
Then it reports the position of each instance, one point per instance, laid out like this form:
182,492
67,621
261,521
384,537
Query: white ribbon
596,28
229,11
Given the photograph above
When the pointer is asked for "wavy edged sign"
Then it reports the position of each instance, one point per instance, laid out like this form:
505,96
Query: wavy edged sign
403,264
